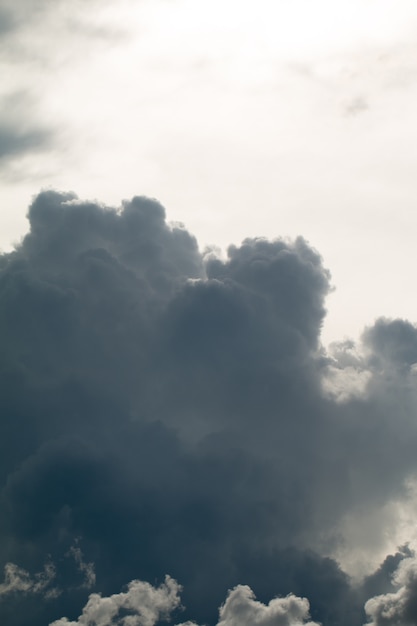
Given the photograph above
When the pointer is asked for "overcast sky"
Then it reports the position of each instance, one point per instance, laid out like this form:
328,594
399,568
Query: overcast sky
244,118
197,199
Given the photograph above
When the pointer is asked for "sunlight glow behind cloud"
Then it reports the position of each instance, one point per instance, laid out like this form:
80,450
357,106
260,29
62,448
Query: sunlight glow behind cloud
298,108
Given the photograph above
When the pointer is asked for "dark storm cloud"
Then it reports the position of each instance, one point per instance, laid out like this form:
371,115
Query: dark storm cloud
381,581
164,413
400,605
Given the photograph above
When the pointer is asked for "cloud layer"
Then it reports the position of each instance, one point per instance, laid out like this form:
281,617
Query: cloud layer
170,412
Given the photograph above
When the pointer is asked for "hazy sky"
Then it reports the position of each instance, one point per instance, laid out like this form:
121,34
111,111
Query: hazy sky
197,198
270,118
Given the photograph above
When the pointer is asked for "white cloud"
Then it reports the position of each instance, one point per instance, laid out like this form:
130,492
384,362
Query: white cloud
242,609
145,604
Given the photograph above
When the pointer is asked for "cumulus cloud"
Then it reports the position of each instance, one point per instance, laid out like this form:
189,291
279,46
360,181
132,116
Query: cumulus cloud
241,609
167,409
142,605
146,605
393,343
400,606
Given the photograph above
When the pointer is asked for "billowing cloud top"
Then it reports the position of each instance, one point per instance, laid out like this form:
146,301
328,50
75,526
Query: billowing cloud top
165,411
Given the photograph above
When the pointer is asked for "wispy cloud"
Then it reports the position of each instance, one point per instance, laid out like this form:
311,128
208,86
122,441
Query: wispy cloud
18,580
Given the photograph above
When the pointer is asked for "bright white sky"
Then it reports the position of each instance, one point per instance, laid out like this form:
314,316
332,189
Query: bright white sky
243,117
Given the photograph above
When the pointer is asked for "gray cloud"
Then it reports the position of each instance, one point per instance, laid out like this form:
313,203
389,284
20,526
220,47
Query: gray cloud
400,606
14,142
392,342
14,15
21,133
40,42
166,409
34,18
6,20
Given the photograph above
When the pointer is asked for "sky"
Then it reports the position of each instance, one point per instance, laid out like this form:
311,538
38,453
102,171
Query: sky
208,374
243,118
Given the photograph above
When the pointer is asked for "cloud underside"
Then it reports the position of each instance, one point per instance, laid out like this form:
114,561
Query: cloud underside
175,413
